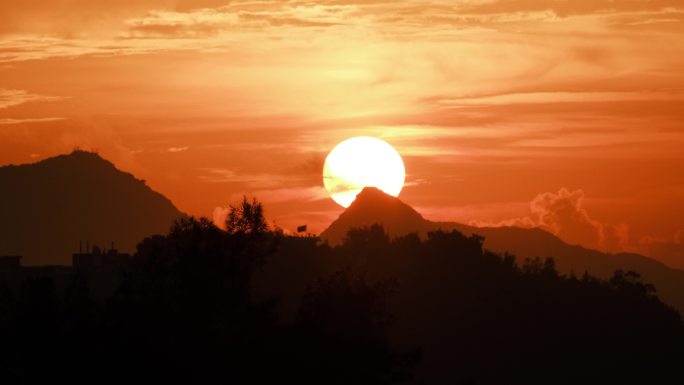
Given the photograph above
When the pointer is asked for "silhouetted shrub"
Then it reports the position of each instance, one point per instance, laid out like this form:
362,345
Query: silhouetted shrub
249,305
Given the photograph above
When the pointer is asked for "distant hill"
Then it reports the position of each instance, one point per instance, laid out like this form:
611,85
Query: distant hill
46,208
374,206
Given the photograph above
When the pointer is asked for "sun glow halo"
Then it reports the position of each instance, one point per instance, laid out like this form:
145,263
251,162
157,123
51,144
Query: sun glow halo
362,162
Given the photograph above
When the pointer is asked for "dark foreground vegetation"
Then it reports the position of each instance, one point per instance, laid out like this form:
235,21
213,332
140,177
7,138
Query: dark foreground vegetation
248,305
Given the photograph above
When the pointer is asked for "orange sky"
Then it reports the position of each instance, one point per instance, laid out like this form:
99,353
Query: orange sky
561,114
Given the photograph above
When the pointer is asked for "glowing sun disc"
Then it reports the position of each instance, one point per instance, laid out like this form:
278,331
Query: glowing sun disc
361,162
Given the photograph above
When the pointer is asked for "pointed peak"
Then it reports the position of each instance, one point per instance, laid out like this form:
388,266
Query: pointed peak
69,193
371,190
83,155
77,162
376,200
373,194
77,156
373,206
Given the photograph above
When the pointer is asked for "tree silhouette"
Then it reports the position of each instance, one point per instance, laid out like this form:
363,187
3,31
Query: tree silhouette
630,281
347,318
250,305
246,218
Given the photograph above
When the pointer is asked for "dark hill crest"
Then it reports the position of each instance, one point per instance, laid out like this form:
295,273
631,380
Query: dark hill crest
372,206
49,206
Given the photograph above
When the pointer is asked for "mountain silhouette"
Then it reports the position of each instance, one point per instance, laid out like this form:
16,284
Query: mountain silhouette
372,206
49,206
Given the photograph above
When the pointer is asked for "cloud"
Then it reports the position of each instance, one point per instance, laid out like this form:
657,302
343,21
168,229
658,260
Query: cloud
558,97
668,250
223,175
616,238
655,21
177,149
81,28
10,98
195,23
563,214
255,180
237,17
74,16
306,194
571,8
28,120
219,216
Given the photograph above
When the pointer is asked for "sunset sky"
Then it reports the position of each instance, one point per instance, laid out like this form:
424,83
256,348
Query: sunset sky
567,115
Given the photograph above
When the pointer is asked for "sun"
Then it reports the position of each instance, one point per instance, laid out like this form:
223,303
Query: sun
361,162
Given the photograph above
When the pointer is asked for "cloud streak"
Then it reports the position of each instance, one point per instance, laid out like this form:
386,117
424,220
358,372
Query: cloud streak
4,121
11,98
177,149
165,27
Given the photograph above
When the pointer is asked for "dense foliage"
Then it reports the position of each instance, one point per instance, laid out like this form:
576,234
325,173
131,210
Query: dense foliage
251,305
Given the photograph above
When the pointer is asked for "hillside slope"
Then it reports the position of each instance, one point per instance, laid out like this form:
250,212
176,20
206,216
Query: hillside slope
373,206
46,208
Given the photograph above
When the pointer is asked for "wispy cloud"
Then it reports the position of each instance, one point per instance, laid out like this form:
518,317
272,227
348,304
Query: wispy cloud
238,17
251,180
10,98
28,120
162,28
559,97
279,195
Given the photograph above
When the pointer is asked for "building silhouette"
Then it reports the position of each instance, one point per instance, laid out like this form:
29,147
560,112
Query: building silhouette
97,259
99,267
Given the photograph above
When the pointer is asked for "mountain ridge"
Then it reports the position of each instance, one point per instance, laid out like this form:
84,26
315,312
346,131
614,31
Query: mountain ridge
100,203
373,206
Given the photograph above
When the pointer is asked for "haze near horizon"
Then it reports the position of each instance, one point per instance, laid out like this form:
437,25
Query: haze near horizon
561,115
